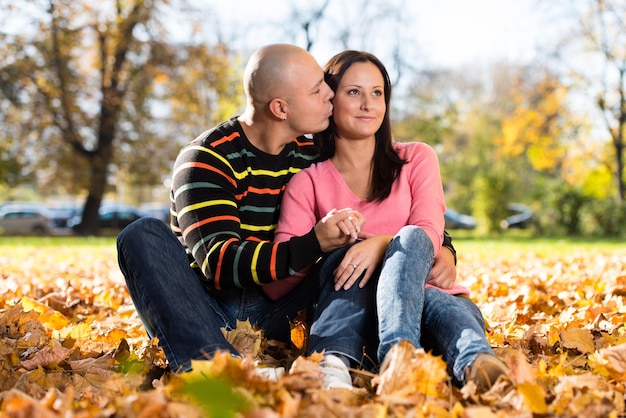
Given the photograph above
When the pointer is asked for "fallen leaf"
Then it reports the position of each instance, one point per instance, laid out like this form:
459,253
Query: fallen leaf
578,339
46,356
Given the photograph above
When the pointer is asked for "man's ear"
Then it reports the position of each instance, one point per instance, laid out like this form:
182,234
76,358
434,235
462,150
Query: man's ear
278,108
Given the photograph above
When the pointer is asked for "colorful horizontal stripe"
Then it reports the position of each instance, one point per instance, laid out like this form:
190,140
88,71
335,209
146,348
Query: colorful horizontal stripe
225,200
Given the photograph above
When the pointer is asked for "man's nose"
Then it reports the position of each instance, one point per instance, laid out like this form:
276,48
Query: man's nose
331,93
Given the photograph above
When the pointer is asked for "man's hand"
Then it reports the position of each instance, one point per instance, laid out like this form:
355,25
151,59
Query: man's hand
339,228
443,272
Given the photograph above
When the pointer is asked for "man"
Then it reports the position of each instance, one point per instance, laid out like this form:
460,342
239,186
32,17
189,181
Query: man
226,194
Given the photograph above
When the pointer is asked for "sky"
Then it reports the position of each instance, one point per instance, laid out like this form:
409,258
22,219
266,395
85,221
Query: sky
448,33
457,32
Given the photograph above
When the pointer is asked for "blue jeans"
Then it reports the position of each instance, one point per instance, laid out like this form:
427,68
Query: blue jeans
344,321
446,325
179,306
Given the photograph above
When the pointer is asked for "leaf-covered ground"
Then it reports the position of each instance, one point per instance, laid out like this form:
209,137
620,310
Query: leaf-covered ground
71,345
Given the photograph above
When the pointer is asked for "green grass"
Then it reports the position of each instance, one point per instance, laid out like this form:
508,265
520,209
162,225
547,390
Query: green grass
542,246
30,241
463,242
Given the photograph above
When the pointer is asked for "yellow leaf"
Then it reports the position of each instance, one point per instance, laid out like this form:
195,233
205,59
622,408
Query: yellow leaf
79,331
579,339
534,397
50,318
408,370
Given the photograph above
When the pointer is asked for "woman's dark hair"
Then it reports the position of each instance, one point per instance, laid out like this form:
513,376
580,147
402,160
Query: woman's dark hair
387,163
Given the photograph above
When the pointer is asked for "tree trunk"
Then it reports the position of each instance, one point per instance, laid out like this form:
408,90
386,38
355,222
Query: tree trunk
89,224
619,150
101,158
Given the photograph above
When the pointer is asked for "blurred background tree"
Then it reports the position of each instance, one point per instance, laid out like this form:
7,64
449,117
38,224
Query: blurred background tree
93,91
99,98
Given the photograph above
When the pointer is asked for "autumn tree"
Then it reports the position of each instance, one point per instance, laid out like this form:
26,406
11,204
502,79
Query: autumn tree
496,135
460,114
97,90
538,122
595,55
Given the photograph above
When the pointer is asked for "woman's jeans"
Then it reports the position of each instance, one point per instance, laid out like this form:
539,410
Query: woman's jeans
446,325
177,305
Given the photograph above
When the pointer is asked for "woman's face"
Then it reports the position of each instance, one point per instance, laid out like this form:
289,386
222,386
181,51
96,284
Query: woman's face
359,102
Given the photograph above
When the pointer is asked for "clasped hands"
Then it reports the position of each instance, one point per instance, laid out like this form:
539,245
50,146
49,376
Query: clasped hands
344,226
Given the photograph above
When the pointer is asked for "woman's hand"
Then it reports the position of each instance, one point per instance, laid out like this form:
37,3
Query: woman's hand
360,261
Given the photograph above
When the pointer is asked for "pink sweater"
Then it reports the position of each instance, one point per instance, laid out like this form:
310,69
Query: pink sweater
416,199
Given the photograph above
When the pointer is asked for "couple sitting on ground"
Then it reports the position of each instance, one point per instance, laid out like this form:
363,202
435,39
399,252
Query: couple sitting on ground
359,245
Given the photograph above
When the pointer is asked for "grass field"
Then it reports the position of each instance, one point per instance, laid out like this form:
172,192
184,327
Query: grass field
463,242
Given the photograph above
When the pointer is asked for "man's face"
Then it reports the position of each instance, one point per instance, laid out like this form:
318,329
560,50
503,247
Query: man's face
309,97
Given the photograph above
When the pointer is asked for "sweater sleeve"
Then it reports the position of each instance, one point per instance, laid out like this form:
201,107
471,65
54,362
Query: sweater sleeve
207,192
428,203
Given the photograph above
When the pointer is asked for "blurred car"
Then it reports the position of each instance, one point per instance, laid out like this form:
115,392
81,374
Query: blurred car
520,216
24,218
111,216
456,220
156,210
62,213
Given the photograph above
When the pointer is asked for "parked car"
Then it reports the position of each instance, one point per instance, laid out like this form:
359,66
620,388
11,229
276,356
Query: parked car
62,213
456,220
521,216
24,218
156,210
111,216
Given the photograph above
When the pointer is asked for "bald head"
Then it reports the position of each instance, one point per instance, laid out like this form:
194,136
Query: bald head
271,69
286,92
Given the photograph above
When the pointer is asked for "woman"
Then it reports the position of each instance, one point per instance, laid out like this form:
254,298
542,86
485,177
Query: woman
397,188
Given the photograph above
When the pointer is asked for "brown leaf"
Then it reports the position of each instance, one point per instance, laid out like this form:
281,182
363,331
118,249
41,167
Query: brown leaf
304,374
99,366
46,356
578,339
616,361
246,339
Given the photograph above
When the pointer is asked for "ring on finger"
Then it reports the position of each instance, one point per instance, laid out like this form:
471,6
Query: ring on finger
354,266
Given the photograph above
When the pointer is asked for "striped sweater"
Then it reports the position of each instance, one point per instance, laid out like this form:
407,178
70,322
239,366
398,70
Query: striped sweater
226,198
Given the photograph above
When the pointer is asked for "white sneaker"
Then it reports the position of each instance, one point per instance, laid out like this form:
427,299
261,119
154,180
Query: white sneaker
335,373
272,374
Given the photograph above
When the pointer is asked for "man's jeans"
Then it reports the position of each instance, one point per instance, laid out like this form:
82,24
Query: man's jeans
178,306
447,325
